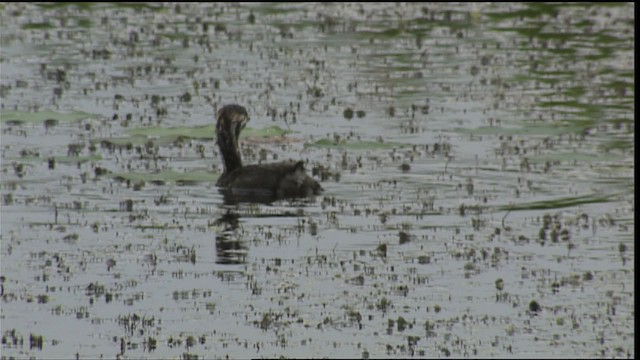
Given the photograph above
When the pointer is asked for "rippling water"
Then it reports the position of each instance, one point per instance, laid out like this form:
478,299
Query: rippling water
477,161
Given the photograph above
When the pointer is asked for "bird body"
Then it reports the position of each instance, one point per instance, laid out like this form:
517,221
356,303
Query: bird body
261,182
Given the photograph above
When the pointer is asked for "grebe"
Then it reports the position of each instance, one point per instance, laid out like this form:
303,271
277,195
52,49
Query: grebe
264,182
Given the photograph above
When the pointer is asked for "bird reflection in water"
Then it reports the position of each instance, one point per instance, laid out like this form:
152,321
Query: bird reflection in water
257,183
231,249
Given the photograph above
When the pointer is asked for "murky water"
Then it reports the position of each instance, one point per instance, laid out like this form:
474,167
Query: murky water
477,162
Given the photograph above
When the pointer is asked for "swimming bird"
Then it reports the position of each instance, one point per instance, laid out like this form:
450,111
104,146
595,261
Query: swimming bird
262,182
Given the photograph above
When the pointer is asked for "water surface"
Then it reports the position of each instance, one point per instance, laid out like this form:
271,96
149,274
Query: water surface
477,161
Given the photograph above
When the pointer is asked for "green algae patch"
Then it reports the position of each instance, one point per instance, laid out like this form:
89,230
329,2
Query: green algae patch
21,117
167,176
59,159
356,145
203,132
270,131
194,132
558,203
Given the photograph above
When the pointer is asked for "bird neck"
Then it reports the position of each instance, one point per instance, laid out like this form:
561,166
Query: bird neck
228,143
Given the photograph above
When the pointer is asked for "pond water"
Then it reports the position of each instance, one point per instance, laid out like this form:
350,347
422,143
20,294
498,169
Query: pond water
477,161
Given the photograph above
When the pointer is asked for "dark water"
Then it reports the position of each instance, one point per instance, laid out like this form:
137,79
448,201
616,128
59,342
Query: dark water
477,162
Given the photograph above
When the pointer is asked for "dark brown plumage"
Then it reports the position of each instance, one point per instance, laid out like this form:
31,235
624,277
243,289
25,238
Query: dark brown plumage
264,182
